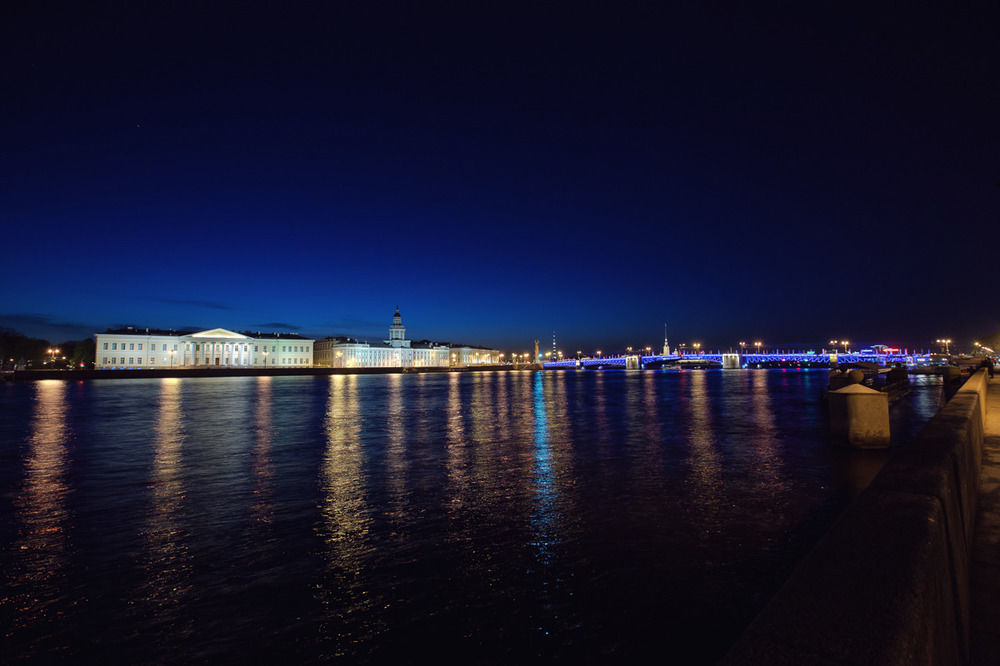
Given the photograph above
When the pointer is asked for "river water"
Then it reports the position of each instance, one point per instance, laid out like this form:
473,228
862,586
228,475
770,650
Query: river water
487,517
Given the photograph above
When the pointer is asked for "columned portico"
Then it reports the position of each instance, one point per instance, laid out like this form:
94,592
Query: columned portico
219,348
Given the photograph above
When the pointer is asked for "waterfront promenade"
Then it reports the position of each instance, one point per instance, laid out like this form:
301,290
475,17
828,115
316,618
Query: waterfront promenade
985,568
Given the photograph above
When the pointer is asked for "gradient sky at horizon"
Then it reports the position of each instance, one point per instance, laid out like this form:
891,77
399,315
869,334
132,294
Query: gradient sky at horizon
755,173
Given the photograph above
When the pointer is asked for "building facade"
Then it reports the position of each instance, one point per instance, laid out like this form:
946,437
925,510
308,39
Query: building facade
464,357
398,352
131,348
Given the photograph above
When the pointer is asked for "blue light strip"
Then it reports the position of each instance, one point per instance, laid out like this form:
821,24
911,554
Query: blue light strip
748,359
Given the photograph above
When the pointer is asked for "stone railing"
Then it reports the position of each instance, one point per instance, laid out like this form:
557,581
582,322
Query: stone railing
889,583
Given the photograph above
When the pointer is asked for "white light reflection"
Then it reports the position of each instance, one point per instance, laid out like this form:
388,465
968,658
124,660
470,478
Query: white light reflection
396,460
262,466
167,560
766,461
457,461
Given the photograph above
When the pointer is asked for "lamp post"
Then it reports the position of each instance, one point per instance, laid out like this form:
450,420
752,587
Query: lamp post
757,344
947,344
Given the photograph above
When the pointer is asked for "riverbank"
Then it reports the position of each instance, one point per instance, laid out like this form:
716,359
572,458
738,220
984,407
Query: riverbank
82,375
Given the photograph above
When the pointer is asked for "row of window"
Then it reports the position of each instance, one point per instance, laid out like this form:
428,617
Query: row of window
135,346
134,360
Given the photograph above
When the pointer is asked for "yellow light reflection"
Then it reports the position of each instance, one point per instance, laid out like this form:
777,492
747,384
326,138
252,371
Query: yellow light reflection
41,551
345,515
705,479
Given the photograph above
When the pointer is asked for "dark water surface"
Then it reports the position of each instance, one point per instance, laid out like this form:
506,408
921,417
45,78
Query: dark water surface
490,517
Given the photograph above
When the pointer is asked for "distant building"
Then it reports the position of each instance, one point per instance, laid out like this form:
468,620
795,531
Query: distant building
398,352
471,356
133,348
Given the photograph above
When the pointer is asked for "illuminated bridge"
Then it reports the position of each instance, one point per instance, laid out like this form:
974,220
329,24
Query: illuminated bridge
739,360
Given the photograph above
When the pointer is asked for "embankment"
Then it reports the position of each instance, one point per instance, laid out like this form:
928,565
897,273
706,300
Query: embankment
889,583
76,375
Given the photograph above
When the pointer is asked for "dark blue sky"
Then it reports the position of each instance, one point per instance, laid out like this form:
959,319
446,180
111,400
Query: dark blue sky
740,174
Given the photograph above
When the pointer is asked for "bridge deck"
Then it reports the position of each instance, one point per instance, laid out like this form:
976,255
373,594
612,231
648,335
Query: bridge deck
745,359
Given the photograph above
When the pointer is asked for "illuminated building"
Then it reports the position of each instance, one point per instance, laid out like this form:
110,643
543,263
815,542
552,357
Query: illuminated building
471,356
131,348
398,352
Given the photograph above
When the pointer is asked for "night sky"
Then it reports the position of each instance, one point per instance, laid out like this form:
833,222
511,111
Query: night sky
741,174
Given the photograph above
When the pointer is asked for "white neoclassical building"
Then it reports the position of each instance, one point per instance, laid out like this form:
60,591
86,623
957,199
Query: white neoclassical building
133,348
396,352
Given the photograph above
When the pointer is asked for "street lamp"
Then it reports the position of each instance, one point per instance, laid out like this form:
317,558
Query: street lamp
757,344
697,347
946,342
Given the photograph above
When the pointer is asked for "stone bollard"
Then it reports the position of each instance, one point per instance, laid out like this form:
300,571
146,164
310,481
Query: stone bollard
859,416
841,379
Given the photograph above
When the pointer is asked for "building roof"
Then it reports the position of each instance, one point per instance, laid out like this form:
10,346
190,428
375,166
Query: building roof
274,336
219,333
214,333
136,330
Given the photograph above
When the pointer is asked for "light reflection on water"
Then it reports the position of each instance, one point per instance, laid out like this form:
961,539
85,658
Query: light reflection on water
487,517
39,555
167,562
